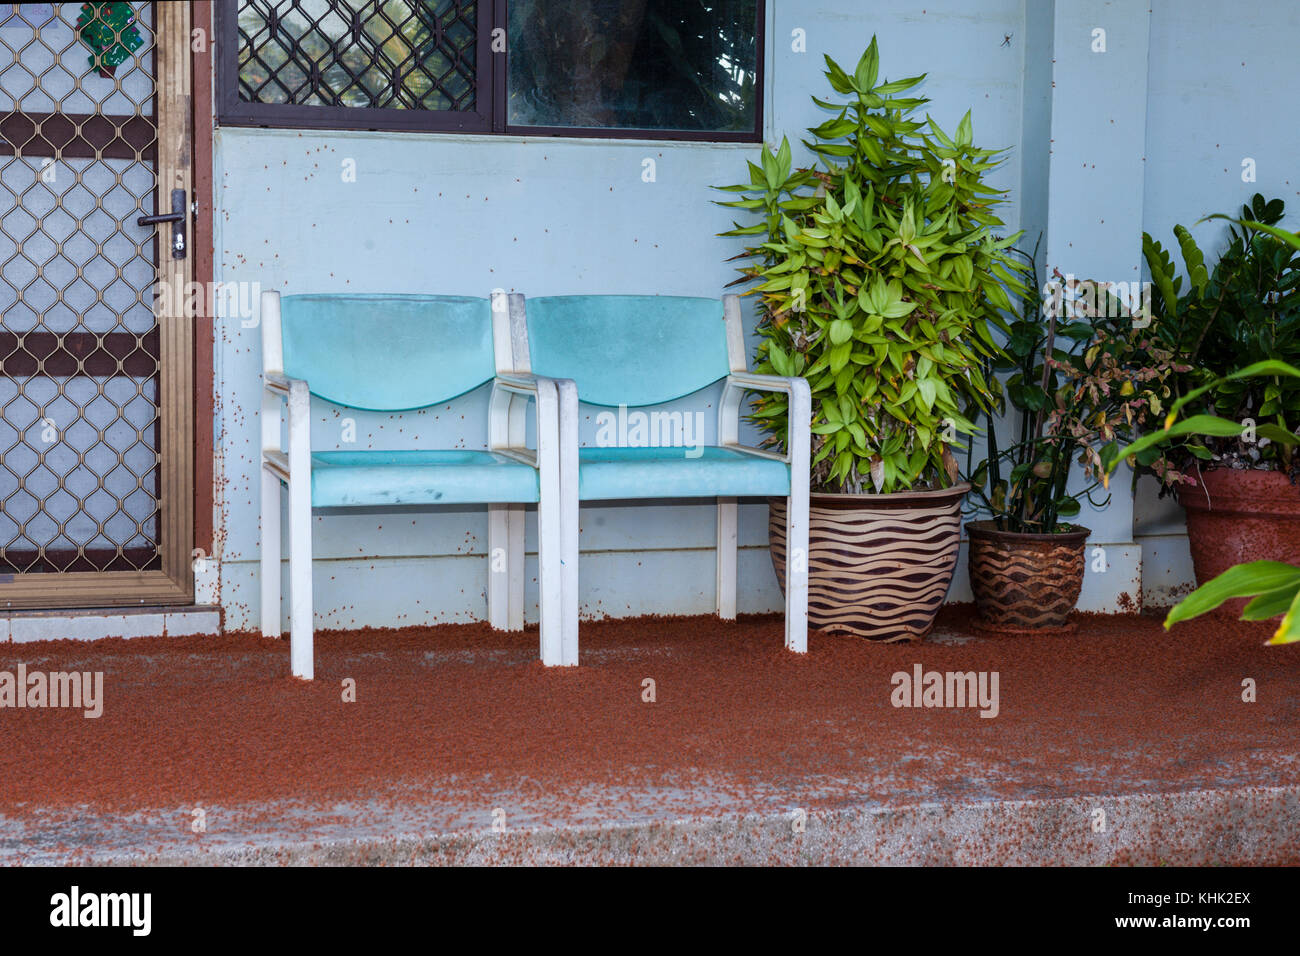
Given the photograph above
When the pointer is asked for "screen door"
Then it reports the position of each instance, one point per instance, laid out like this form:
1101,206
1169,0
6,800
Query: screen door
96,453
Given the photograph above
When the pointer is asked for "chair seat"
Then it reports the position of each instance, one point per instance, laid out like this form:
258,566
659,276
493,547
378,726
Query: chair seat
359,478
609,473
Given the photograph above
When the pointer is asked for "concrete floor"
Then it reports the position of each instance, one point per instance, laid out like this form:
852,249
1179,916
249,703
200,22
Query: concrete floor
1122,744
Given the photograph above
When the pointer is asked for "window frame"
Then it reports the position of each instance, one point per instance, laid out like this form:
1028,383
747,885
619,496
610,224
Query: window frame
488,116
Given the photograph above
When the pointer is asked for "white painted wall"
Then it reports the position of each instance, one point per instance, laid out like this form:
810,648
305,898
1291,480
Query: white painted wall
464,215
1218,93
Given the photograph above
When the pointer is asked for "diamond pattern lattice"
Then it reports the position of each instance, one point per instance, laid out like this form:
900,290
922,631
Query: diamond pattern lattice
79,343
390,54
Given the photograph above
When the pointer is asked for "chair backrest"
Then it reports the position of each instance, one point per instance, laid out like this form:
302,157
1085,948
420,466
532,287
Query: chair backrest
384,352
629,349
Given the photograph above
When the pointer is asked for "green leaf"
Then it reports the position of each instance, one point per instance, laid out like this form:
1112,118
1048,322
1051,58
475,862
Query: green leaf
838,78
783,160
1288,632
898,86
1210,425
841,330
1290,238
928,390
840,356
1269,604
1242,580
1067,507
1276,433
868,68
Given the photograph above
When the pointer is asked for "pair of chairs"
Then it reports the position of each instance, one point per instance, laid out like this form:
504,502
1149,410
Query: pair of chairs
542,357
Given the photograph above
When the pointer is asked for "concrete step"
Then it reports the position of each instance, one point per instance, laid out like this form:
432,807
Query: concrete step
89,624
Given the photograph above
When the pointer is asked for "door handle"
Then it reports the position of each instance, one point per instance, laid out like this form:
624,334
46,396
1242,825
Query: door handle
176,217
154,220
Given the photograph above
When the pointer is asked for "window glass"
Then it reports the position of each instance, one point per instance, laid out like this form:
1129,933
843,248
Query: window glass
633,64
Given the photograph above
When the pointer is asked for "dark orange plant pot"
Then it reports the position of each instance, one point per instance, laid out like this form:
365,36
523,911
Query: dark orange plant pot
1025,583
879,566
1241,515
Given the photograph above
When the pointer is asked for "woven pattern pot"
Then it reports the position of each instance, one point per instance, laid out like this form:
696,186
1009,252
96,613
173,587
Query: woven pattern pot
879,566
1025,583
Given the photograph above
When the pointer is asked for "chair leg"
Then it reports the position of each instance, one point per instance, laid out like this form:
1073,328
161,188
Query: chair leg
301,655
270,553
515,567
567,416
796,573
550,588
551,527
498,559
726,577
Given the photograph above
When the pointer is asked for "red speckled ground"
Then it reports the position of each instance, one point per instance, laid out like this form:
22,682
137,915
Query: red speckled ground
467,715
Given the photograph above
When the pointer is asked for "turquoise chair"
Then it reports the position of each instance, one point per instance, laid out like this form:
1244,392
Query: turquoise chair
629,351
397,353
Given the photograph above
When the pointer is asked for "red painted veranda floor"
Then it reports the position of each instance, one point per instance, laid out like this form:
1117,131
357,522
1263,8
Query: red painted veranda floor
467,713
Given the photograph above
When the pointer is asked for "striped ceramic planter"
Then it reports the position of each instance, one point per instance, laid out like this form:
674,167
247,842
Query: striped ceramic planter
1025,583
879,566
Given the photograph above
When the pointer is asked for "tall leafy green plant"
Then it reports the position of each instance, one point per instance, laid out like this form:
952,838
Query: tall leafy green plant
879,274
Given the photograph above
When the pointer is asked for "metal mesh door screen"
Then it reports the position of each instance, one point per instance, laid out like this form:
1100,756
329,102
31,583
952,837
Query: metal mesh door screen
79,341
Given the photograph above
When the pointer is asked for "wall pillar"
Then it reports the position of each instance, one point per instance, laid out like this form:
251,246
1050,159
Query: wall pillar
1095,180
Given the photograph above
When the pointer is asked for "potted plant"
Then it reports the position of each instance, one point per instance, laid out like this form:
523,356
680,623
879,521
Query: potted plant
878,276
1080,372
1272,587
1239,490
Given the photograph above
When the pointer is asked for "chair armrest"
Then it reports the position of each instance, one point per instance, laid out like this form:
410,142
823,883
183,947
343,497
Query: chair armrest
281,384
752,381
554,399
799,411
277,390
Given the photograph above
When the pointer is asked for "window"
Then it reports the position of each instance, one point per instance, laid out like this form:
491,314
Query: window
663,69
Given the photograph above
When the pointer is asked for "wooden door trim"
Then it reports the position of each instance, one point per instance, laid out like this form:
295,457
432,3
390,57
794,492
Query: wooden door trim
203,254
176,377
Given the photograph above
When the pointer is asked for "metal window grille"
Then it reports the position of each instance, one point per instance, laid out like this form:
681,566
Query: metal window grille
387,55
401,64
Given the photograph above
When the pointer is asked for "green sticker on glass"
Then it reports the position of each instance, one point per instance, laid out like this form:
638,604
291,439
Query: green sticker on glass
109,30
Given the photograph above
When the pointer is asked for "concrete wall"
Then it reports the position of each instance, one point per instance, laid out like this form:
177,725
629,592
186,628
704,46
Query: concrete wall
463,214
459,214
1216,82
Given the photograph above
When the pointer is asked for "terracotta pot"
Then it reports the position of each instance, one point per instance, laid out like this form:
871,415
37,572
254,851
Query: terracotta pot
1025,583
879,566
1239,515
